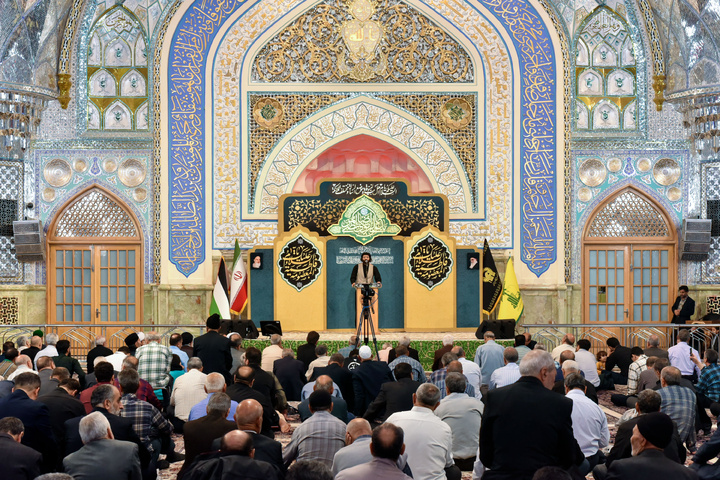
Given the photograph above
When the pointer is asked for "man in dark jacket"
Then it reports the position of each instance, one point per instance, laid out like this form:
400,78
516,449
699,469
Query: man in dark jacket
199,434
290,373
62,406
106,400
306,352
367,380
341,376
237,450
242,390
529,401
650,435
394,396
619,356
683,308
22,462
100,350
214,349
649,401
23,404
64,359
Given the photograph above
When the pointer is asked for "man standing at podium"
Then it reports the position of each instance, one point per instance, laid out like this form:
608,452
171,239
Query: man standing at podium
365,272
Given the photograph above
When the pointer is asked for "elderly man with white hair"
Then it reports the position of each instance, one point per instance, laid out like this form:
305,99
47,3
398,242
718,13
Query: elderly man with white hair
101,455
50,351
154,361
100,350
214,383
23,364
189,390
511,455
271,353
447,342
404,341
568,367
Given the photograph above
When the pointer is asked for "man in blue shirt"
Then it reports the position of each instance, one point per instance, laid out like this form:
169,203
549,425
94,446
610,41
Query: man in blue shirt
489,357
175,344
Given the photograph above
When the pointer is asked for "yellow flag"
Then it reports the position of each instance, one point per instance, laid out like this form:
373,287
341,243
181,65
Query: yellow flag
511,303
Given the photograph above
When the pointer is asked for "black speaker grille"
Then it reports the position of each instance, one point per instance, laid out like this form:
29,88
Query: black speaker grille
8,214
713,213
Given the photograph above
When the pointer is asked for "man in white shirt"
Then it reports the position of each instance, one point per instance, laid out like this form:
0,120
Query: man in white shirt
189,389
568,340
271,353
587,362
23,364
50,351
680,357
471,370
430,451
508,374
322,360
590,427
463,413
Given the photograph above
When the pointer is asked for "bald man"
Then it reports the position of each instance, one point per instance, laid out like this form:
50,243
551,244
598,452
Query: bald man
249,418
357,452
237,452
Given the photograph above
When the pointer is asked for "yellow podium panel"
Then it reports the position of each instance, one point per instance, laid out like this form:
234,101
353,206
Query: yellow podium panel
430,281
299,280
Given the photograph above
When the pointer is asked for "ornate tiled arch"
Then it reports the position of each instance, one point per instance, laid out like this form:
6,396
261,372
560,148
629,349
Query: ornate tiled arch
363,115
537,74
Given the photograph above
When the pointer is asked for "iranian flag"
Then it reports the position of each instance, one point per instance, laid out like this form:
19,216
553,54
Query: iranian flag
238,283
220,303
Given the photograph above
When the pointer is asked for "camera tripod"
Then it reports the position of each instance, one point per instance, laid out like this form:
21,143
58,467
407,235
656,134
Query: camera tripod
365,324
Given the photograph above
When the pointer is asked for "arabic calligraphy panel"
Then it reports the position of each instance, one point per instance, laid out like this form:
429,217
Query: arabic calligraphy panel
430,261
299,262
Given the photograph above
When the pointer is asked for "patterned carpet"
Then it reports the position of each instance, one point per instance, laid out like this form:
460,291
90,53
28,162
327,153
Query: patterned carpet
612,412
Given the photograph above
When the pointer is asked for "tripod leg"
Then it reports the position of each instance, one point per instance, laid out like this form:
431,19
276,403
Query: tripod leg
359,328
372,329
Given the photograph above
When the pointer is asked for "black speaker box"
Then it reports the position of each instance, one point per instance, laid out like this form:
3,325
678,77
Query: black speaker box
695,239
29,240
503,329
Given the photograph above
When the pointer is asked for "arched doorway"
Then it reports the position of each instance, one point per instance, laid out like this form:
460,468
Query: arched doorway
95,261
629,261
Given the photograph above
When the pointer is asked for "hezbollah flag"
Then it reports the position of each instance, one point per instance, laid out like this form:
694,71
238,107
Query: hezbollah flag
238,283
220,303
511,304
492,286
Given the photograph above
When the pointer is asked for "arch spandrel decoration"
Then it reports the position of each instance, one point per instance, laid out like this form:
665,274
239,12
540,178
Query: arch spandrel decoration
536,75
94,214
376,43
628,214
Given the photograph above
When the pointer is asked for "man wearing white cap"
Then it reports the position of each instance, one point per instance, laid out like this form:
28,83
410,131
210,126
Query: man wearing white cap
367,379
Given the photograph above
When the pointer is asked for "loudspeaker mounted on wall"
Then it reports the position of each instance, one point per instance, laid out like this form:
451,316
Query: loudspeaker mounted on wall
695,239
29,240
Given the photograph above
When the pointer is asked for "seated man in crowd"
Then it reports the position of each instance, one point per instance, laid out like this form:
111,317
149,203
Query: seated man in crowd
291,374
620,357
571,366
386,446
402,356
566,344
367,379
319,437
339,410
648,402
587,362
145,391
470,369
463,414
707,389
188,390
342,377
681,354
272,352
149,424
651,435
102,456
679,403
199,434
234,460
528,401
508,374
589,422
242,389
64,359
25,462
394,396
638,365
430,452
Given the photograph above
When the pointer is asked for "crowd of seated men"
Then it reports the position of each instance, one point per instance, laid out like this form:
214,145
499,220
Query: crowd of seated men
517,412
